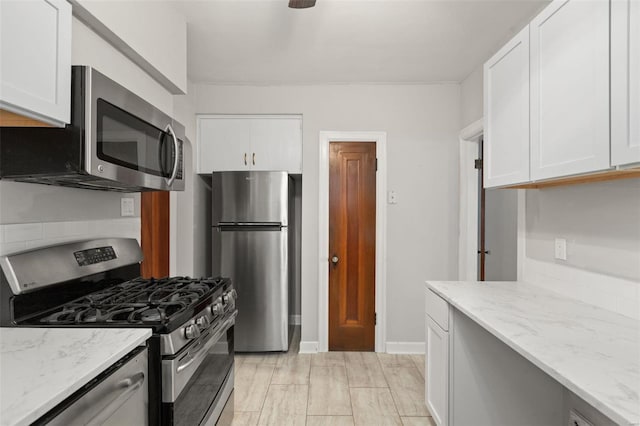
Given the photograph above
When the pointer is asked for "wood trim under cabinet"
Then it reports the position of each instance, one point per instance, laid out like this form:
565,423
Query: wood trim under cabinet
11,119
154,218
576,180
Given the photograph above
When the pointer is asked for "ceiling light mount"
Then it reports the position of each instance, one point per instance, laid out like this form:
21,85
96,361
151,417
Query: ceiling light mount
301,4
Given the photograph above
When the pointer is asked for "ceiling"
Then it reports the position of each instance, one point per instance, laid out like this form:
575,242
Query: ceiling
346,41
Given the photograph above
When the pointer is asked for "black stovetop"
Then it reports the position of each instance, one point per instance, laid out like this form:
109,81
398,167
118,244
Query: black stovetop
162,304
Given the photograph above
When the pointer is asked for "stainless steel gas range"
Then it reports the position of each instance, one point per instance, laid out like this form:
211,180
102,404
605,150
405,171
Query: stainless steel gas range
96,284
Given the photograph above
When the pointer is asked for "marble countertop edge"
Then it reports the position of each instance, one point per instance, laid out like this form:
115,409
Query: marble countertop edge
29,411
590,398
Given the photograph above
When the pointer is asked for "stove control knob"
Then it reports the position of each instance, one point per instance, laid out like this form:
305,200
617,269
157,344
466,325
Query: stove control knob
217,309
229,299
203,322
191,331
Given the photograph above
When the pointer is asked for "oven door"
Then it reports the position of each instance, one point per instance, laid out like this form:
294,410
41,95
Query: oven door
129,140
197,382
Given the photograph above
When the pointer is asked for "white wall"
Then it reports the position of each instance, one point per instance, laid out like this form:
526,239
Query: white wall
471,105
422,123
183,203
152,33
88,48
601,223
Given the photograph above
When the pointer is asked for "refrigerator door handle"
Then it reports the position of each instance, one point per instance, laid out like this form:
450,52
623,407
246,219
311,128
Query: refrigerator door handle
250,226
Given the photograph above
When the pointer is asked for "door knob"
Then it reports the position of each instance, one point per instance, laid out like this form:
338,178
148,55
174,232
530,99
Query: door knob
334,259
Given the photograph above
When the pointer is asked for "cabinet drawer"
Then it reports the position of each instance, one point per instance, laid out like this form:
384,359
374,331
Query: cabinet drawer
438,309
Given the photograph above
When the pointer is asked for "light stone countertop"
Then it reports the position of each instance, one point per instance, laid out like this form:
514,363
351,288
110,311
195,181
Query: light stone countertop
40,367
593,352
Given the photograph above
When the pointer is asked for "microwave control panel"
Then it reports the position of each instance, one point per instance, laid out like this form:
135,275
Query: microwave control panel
95,255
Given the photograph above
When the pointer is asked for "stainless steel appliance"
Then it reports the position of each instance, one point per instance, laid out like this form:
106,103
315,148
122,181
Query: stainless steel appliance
119,396
116,141
96,284
250,244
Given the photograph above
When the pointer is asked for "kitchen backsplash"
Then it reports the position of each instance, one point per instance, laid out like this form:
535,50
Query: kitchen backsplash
601,224
23,236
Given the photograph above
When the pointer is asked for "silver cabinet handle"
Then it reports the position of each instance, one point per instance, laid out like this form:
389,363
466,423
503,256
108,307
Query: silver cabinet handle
253,159
176,147
129,386
245,158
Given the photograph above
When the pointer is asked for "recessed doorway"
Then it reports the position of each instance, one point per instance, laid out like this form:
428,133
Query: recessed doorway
352,245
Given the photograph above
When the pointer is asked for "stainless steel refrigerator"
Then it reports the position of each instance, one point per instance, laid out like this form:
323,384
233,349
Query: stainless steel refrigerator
251,245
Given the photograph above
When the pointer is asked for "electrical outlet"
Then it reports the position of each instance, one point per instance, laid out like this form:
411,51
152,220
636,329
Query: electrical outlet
576,419
127,207
561,249
392,197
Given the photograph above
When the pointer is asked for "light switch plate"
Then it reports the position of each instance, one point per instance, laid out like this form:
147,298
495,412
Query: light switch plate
127,207
561,249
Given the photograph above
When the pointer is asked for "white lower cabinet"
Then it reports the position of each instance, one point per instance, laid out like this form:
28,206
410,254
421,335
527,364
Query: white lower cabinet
437,372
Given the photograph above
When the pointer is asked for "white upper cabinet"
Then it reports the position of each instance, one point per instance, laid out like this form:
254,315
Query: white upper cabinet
506,114
625,82
35,59
570,88
265,143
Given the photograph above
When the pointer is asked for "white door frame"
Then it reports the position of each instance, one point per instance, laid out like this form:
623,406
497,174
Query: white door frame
469,139
380,139
468,233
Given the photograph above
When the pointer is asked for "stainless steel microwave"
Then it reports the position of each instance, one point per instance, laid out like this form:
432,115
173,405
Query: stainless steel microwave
116,141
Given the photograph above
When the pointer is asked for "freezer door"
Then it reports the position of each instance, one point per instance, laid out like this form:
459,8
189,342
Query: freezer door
256,260
250,197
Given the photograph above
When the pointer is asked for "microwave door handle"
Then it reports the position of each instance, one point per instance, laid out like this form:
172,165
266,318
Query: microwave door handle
176,147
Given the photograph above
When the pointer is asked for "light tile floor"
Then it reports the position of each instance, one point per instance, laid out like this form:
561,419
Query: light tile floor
327,389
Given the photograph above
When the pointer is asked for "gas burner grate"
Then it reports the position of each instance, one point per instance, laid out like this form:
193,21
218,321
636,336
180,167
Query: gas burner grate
139,301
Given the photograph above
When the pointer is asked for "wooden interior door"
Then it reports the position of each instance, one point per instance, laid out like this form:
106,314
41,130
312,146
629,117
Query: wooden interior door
352,245
154,218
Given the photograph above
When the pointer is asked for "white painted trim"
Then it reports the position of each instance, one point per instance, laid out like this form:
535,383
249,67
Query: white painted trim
473,131
308,347
295,319
468,218
406,347
380,138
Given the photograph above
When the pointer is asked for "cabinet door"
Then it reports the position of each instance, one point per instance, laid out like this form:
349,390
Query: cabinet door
437,372
224,144
276,144
625,82
35,59
570,88
506,114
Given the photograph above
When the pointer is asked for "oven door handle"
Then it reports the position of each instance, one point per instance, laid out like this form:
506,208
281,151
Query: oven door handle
192,357
129,387
176,147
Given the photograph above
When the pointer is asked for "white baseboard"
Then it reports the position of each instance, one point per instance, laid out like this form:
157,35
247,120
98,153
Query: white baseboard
405,347
308,347
295,319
